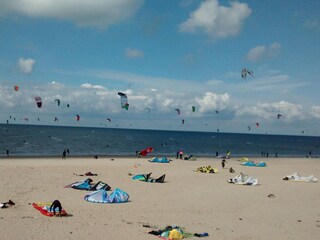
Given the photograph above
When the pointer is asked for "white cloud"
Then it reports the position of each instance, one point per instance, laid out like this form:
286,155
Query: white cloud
211,102
217,21
261,52
88,85
134,53
315,111
26,65
312,24
289,111
99,13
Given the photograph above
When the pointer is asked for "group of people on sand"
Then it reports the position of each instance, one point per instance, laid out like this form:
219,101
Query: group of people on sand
65,152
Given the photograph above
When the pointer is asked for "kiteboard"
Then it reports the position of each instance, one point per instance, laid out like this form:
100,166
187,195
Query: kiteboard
44,208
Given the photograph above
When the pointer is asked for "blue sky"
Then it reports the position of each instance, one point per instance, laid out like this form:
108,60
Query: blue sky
164,55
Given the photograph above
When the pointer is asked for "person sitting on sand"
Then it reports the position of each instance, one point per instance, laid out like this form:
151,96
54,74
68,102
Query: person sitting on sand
231,170
188,157
54,205
4,205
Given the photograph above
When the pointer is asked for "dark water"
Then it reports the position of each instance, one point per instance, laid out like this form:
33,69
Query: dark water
28,140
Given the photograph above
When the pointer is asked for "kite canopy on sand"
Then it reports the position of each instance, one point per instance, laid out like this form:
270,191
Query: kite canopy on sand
101,196
146,151
44,208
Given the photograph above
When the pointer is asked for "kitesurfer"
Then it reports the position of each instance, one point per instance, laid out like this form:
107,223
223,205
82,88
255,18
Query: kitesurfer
54,205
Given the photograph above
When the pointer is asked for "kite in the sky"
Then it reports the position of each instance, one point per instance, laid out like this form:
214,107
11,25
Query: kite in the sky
182,121
148,109
279,116
249,128
124,100
26,119
56,119
257,124
245,72
16,88
38,101
178,111
57,101
193,108
109,119
78,118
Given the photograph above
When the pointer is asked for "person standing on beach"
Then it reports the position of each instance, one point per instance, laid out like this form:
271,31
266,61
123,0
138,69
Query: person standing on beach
8,152
223,162
64,154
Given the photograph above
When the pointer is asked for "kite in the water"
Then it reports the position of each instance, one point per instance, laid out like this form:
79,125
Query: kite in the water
245,72
193,108
78,118
279,116
39,101
16,88
57,101
178,111
124,100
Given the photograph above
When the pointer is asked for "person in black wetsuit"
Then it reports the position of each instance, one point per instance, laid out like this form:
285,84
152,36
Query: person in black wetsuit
54,205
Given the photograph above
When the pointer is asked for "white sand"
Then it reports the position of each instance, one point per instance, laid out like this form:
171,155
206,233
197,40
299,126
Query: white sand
196,201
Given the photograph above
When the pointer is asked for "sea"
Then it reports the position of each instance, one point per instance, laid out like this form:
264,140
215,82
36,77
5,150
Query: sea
39,140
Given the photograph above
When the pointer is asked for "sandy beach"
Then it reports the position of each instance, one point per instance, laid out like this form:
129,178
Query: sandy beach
198,202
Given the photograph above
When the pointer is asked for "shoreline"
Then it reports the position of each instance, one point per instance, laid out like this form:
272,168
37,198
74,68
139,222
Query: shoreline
3,157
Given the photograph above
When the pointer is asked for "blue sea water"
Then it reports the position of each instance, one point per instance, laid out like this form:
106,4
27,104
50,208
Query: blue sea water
34,140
